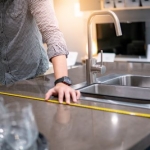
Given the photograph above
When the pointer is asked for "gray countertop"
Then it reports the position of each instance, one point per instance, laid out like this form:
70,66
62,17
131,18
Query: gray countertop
74,128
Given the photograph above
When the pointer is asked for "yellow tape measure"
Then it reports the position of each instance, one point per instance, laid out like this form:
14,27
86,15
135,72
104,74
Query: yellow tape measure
81,105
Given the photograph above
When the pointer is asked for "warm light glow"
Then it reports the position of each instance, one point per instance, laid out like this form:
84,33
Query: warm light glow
77,11
94,48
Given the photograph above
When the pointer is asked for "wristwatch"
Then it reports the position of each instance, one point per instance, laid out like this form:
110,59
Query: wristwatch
66,80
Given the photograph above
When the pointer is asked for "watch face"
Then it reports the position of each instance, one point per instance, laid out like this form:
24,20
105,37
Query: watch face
67,80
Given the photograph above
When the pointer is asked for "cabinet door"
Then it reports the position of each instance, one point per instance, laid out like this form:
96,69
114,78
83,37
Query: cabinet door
89,5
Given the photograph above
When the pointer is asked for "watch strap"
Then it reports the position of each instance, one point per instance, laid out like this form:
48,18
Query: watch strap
65,80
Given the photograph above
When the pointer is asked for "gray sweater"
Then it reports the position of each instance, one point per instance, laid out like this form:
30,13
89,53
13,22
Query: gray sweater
22,55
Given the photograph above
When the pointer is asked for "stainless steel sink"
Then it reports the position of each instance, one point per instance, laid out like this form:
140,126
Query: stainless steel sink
124,86
117,91
126,80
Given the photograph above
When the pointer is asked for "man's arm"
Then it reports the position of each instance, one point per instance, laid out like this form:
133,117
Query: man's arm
61,89
44,15
60,66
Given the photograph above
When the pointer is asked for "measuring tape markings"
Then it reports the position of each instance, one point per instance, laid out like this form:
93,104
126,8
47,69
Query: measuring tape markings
81,105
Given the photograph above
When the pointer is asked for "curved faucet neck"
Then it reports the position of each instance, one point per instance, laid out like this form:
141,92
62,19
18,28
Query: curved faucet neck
89,31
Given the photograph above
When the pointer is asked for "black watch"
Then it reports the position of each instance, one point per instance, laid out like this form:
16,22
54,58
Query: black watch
65,80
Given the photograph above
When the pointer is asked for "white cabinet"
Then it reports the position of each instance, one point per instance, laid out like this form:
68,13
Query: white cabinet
128,5
87,5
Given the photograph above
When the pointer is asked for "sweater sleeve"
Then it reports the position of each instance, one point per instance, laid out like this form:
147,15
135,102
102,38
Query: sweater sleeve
44,14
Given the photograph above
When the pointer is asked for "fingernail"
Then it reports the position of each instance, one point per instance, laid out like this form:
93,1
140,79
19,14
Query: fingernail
60,102
68,102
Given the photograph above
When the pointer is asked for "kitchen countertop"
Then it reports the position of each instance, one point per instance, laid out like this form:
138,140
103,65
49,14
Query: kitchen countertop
74,128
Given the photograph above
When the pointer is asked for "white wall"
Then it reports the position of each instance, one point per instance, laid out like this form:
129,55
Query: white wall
72,27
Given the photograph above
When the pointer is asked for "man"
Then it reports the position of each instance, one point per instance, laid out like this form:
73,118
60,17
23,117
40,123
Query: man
22,55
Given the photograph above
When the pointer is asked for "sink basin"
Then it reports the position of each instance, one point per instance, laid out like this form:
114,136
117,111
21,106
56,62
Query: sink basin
117,91
124,86
126,80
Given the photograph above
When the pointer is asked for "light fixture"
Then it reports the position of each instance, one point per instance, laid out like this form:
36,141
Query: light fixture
77,11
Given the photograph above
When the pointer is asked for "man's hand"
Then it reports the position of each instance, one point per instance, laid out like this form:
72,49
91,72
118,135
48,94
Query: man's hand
64,92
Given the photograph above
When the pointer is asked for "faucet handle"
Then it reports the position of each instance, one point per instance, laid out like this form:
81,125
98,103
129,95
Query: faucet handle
101,57
103,68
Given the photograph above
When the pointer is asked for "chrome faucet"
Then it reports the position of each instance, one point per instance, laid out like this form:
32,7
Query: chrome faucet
91,67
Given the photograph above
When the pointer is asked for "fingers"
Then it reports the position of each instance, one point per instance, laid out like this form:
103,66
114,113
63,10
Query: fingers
64,92
60,95
73,96
49,94
68,94
78,94
67,97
